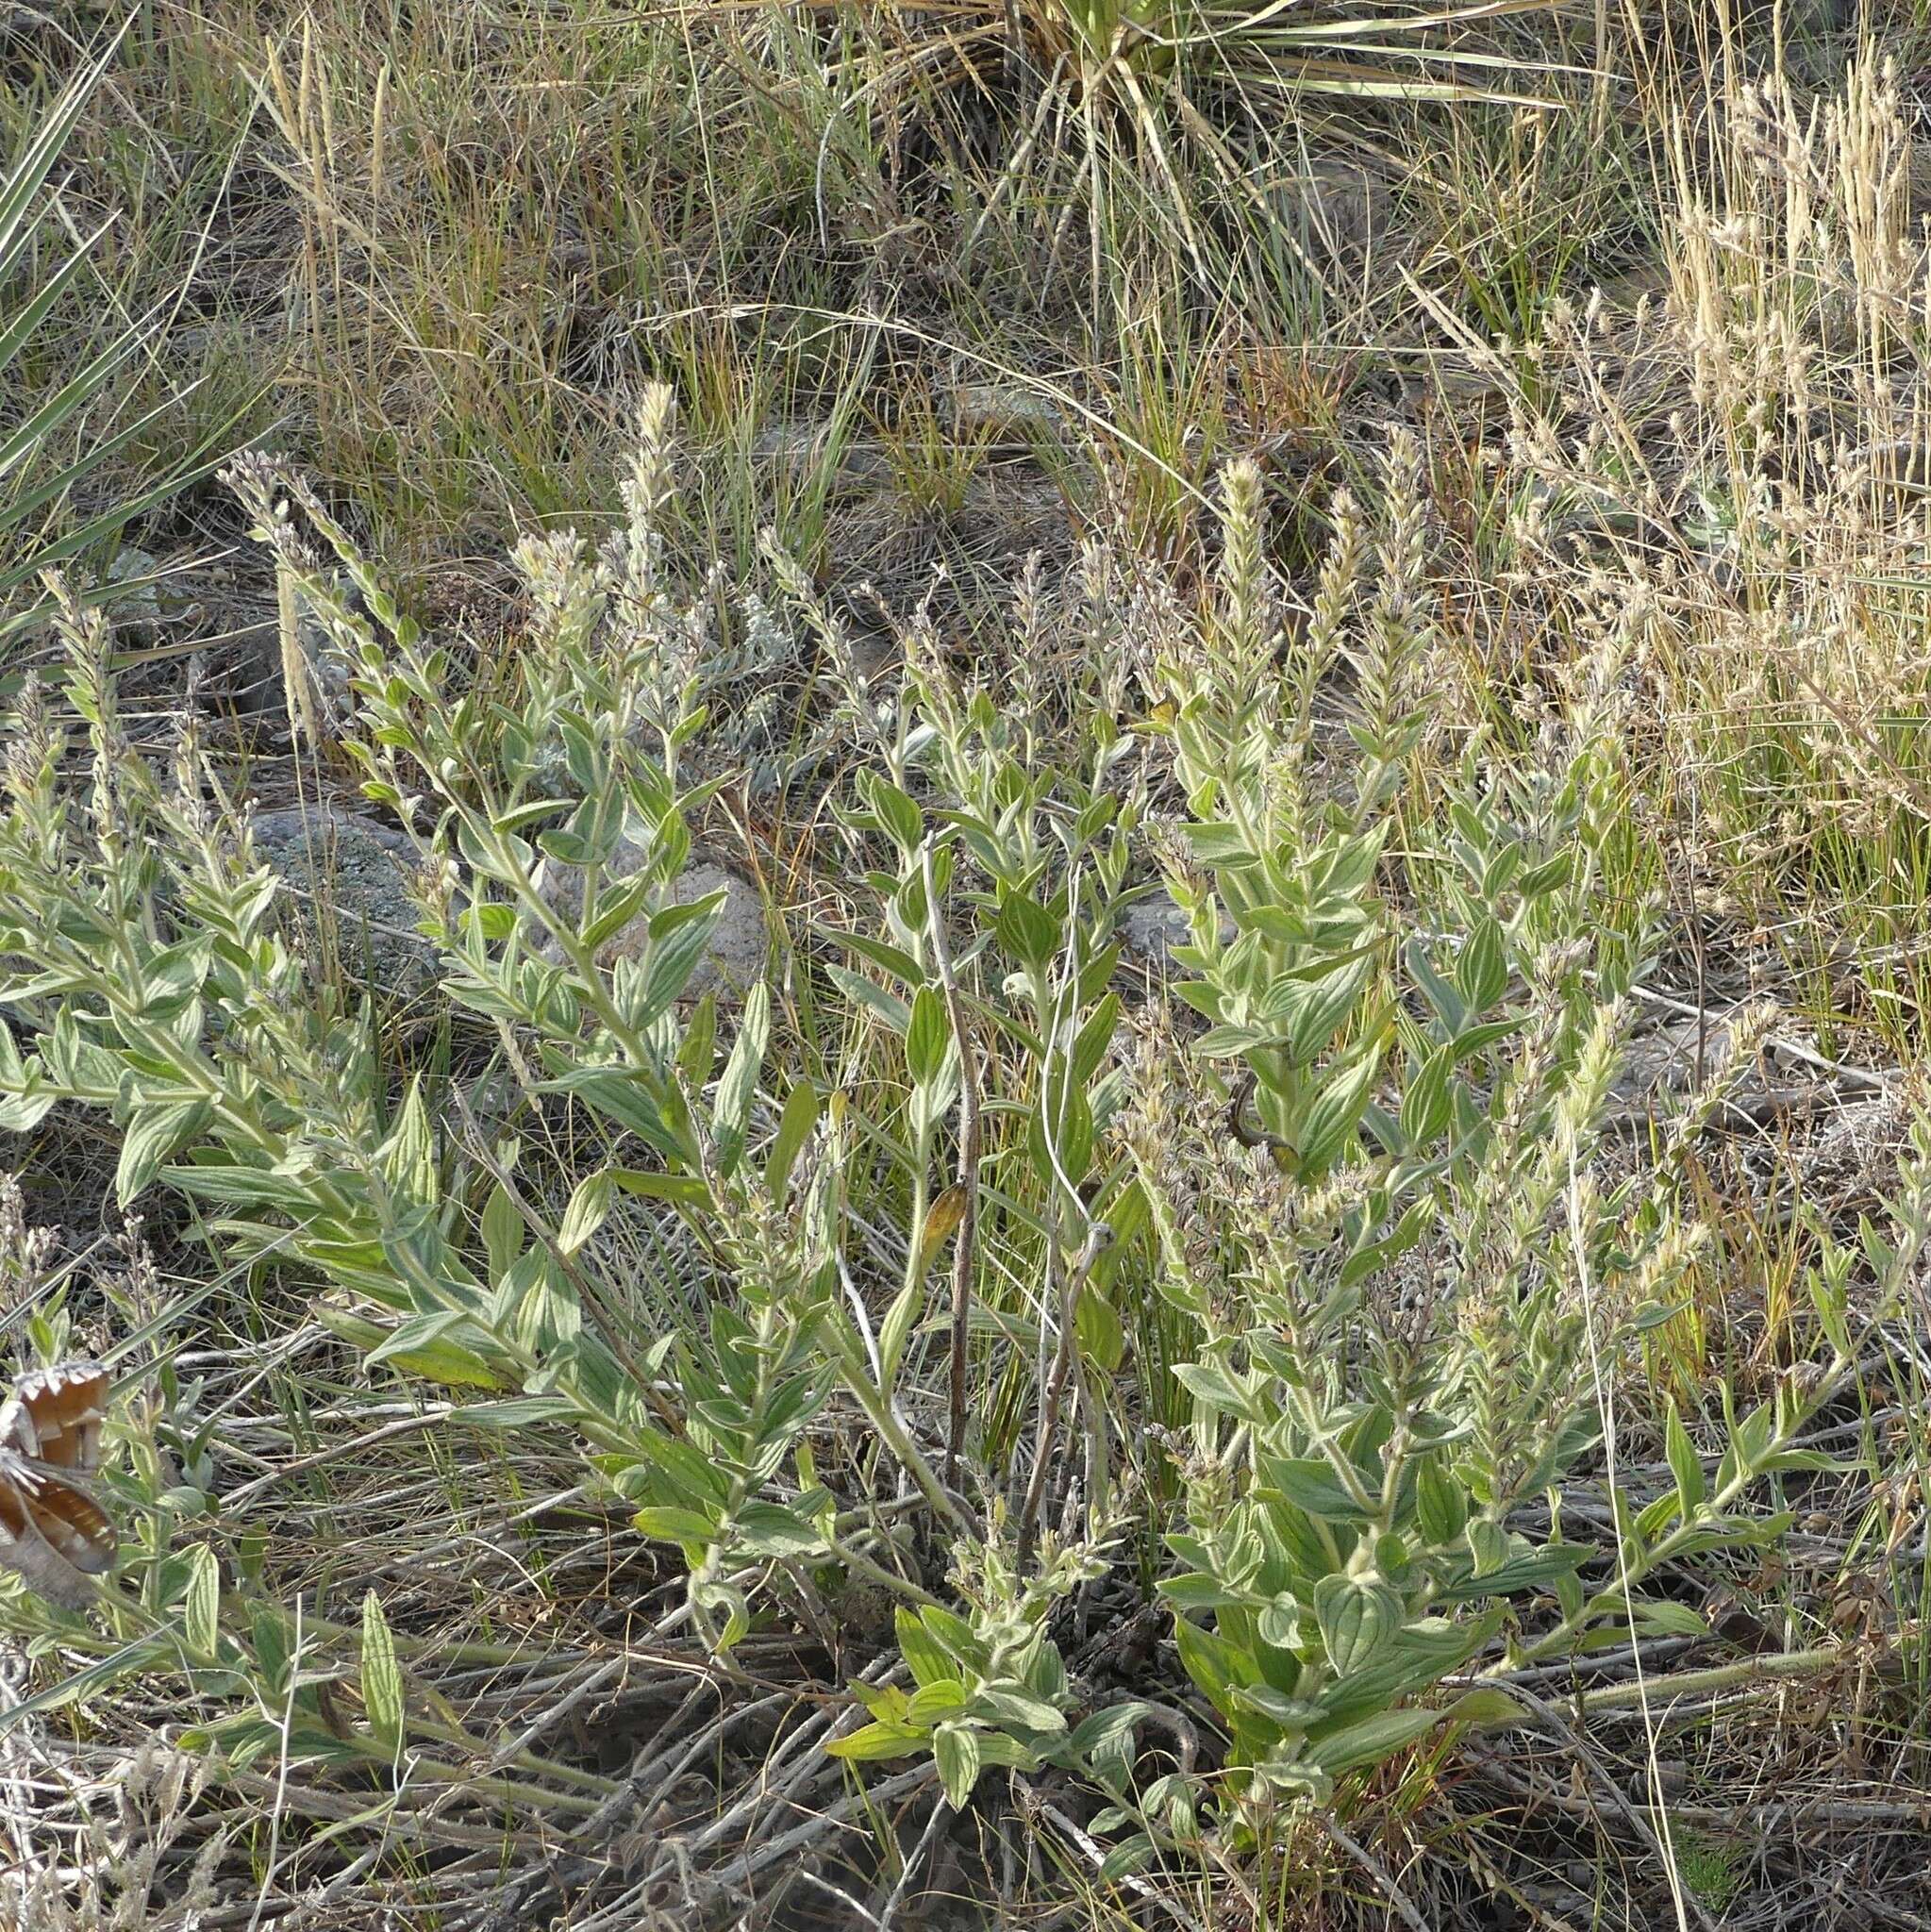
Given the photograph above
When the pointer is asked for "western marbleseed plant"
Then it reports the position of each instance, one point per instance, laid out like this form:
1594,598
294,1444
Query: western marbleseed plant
1290,1301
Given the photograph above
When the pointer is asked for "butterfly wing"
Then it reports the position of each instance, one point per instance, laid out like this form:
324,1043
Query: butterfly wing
52,1532
55,1415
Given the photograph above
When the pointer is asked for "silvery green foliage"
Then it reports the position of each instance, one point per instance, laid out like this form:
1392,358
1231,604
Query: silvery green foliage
1375,1185
1359,1211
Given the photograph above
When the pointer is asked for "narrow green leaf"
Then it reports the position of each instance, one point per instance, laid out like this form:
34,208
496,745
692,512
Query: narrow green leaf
928,1038
877,1740
503,1231
1666,1619
156,1131
669,1524
923,1653
1685,1464
793,1128
904,1310
201,1604
382,1693
1371,1739
737,1088
769,1529
1482,972
956,1751
589,1207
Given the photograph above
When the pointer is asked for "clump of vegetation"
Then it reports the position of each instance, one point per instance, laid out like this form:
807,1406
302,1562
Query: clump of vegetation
1150,1151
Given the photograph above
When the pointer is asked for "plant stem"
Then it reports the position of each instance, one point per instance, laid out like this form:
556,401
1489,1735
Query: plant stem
965,1241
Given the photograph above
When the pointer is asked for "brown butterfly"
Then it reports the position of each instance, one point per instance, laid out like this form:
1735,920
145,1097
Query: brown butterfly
52,1532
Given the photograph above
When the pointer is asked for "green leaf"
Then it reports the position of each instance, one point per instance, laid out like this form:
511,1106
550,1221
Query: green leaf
1102,1337
619,1094
382,1692
886,1702
1371,1739
737,1088
176,975
1213,1388
1279,1624
1657,1315
1128,1857
516,1411
1482,972
1487,1545
1027,931
1335,1112
1448,1004
877,1740
1230,1042
1425,1105
685,1190
1215,1665
201,1604
897,813
885,1006
673,1525
1752,1437
697,1050
152,1135
1358,1621
423,1345
1540,881
956,1751
1289,1713
1473,1040
925,1656
1318,1009
887,959
589,1207
689,1472
1685,1464
502,1231
928,1038
907,1307
617,906
1441,1505
935,1702
793,1128
1310,1484
409,1155
1543,1568
1107,1735
769,1529
1666,1619
679,936
1488,1705
1196,1590
1012,1706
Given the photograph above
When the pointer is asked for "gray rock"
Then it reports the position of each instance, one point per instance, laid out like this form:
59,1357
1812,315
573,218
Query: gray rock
132,592
858,461
1006,409
1150,928
345,889
1338,210
1664,1061
735,959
